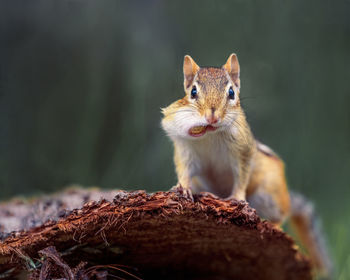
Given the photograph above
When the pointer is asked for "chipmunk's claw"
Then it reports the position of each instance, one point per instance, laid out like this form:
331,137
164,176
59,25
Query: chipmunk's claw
181,191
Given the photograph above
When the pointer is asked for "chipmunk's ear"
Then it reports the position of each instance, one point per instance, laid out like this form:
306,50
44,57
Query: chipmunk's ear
190,70
232,67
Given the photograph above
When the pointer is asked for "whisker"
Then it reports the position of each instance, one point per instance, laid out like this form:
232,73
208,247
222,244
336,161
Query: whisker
180,111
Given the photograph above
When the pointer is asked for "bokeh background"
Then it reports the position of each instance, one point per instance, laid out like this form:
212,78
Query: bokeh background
82,84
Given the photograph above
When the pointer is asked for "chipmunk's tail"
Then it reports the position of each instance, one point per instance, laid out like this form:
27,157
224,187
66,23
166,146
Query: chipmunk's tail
308,229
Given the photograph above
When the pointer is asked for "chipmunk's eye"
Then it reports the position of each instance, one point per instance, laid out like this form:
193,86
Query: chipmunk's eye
194,92
231,93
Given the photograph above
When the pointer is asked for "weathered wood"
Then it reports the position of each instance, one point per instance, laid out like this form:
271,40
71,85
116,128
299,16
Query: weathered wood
162,235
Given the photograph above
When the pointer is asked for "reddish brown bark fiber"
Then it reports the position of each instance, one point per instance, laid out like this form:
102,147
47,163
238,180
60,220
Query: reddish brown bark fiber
151,236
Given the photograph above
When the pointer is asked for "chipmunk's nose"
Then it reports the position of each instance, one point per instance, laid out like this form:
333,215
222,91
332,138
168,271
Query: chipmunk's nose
211,116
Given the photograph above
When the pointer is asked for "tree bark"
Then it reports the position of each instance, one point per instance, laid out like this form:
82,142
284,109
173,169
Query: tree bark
135,235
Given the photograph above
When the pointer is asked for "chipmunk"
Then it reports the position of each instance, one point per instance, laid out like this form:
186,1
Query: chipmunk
215,151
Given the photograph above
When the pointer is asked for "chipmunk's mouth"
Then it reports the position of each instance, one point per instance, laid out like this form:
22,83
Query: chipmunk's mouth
197,131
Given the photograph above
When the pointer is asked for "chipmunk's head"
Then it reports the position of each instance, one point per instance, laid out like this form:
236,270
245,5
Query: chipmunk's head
211,102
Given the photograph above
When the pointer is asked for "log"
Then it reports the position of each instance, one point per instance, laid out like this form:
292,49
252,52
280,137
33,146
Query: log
93,234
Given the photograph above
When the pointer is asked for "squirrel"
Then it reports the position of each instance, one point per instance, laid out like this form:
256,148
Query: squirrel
215,151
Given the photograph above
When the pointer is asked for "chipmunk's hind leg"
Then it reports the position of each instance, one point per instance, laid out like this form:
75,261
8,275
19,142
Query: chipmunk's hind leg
267,207
267,190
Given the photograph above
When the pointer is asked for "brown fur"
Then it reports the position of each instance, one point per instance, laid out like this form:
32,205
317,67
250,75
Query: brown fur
258,173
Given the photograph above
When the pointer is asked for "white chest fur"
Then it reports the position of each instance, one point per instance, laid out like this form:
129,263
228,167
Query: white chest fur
212,163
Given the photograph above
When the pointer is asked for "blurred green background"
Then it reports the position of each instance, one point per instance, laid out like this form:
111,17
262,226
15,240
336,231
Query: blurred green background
82,84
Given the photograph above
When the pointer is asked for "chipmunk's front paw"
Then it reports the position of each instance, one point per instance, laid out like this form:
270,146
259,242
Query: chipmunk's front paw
181,191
